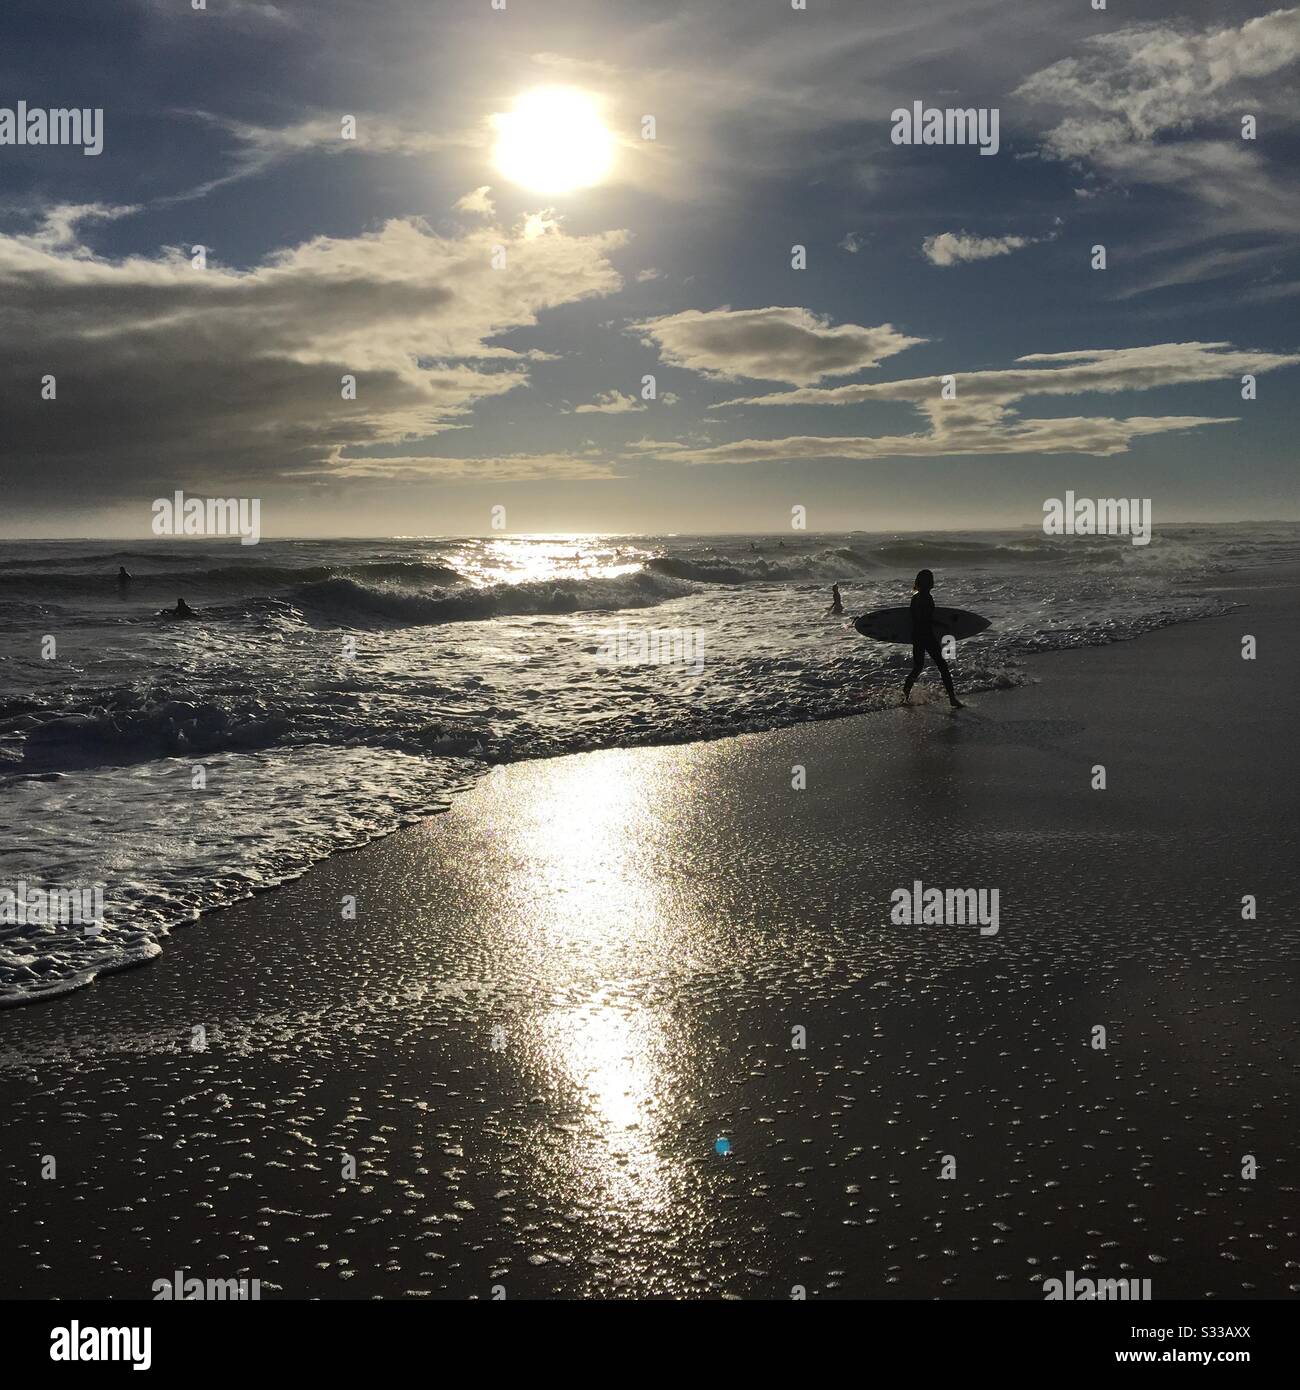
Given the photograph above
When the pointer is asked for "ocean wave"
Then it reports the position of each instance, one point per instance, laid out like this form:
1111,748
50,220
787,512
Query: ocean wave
347,601
307,750
847,556
823,567
88,559
837,563
928,554
122,726
1166,552
253,580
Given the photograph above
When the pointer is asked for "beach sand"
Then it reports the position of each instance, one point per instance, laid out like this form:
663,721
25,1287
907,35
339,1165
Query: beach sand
558,997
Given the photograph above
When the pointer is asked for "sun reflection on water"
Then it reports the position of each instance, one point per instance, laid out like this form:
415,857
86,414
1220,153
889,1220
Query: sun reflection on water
523,560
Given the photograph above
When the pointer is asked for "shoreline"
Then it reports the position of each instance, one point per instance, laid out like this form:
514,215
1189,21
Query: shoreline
558,995
462,773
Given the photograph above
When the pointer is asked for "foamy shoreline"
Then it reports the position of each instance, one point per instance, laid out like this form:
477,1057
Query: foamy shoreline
555,998
344,754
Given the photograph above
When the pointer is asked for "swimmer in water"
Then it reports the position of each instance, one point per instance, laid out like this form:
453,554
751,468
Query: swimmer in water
122,576
183,610
837,604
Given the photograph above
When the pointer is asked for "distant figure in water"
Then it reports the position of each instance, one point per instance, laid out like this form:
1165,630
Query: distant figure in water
837,604
183,610
780,545
752,546
924,640
122,576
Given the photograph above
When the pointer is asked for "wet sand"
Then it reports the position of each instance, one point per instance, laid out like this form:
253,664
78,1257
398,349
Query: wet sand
558,997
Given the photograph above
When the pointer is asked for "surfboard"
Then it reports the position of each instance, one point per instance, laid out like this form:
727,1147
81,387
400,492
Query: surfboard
895,624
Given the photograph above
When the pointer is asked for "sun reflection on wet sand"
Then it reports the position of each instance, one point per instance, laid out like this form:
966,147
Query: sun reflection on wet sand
610,1060
592,930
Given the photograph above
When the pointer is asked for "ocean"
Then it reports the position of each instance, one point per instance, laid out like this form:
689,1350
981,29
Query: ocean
330,691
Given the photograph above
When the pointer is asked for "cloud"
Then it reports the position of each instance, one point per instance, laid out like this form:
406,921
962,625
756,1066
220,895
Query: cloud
477,202
167,375
259,148
58,226
1070,435
373,133
503,468
742,92
259,10
775,344
981,420
953,248
538,224
1152,104
1146,80
1105,370
611,403
852,243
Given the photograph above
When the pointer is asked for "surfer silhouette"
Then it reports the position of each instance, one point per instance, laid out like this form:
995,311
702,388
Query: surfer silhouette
183,610
837,604
924,640
122,576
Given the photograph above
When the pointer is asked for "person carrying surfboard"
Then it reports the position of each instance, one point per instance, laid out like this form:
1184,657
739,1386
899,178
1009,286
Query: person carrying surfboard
924,640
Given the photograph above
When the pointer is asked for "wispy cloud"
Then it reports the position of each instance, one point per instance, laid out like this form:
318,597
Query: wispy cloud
258,148
1162,106
234,11
502,468
1145,80
58,230
610,403
773,344
981,420
1105,370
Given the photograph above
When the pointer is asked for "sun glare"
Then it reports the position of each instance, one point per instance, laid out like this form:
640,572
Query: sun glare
553,141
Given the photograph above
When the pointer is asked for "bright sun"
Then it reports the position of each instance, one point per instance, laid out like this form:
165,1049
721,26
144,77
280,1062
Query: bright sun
553,141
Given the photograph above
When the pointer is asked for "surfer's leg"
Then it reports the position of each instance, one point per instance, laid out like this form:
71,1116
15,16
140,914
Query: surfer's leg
918,660
945,674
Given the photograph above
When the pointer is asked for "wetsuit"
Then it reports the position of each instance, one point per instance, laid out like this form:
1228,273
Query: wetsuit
924,640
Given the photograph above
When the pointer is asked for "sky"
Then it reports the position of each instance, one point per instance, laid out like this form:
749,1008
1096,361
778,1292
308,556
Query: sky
500,334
